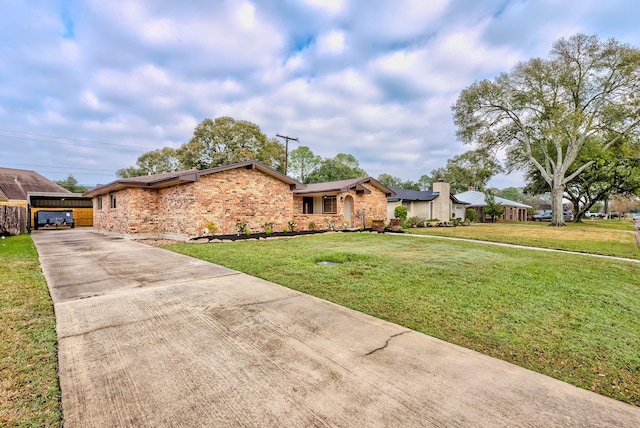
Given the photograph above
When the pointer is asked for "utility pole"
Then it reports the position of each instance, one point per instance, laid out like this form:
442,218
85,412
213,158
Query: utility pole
286,149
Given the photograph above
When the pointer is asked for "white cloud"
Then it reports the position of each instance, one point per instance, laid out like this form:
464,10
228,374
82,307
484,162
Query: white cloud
375,79
332,43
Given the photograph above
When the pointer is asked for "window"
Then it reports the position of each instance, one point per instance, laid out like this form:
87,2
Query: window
112,200
307,205
99,202
329,205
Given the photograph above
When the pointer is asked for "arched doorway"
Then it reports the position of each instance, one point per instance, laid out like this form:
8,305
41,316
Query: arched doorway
348,208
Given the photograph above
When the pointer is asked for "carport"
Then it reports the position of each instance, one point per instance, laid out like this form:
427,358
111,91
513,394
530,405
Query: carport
81,206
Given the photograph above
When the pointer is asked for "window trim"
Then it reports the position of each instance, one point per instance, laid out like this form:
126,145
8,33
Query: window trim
335,204
99,203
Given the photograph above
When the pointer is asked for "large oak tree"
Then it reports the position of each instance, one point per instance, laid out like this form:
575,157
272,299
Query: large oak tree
544,111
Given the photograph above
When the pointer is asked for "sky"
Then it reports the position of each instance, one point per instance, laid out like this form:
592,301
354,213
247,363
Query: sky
88,86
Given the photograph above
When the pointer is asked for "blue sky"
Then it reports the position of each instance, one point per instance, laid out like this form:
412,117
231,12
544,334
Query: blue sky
88,86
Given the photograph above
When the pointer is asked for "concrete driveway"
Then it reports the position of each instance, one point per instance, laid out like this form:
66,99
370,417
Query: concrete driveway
152,338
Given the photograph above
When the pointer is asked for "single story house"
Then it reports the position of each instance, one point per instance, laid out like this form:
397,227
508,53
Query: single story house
513,211
437,203
179,204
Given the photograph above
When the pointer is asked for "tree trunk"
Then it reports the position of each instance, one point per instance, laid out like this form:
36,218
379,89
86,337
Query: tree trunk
557,216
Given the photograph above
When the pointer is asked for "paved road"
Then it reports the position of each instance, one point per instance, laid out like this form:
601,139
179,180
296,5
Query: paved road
152,338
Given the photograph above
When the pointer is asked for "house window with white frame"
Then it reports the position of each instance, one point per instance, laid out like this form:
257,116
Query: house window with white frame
329,205
112,200
100,202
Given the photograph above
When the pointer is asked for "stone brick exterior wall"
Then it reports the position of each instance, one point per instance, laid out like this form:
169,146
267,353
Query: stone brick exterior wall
373,204
134,213
224,198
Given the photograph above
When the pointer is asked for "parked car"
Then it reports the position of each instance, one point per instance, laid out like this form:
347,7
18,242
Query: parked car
546,216
636,217
56,219
593,215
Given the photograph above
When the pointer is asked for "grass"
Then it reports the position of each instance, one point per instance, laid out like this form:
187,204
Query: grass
568,316
29,390
611,238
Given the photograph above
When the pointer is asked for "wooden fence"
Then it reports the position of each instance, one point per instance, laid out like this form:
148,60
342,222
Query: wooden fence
13,220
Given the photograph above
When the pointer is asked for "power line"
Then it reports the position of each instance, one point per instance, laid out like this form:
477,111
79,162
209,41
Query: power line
64,138
75,144
286,149
59,167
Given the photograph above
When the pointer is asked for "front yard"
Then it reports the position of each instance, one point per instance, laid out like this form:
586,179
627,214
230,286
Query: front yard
611,238
572,317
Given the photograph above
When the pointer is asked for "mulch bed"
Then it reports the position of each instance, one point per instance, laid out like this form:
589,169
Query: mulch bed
254,236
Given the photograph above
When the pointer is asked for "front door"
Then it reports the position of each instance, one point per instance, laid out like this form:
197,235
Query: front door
348,206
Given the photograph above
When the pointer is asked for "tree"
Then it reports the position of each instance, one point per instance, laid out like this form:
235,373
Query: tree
302,162
623,204
545,110
224,140
272,154
152,162
615,171
470,169
425,182
391,181
511,193
492,208
71,184
341,167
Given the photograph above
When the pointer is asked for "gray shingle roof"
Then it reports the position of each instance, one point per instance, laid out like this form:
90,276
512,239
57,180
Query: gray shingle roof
169,178
15,183
342,186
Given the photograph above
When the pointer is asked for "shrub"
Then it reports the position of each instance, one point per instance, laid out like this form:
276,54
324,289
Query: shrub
471,214
211,227
268,227
330,224
292,225
414,222
400,212
285,229
241,227
312,225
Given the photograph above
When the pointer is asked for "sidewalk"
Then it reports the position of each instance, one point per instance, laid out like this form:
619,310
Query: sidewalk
148,337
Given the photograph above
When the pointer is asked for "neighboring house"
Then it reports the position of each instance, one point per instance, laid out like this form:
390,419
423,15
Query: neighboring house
16,183
28,189
437,203
179,204
513,211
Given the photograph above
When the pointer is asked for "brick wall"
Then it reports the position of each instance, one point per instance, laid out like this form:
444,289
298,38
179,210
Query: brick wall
224,198
373,204
134,213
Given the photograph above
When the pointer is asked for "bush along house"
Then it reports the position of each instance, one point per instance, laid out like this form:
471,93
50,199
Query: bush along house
187,204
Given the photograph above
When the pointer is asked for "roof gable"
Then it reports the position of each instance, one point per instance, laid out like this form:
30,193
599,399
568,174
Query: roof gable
16,183
342,186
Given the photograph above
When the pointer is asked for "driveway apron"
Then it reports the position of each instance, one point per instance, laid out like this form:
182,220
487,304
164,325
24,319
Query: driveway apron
148,337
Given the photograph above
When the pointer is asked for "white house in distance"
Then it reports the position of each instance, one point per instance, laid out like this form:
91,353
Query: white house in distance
513,211
428,204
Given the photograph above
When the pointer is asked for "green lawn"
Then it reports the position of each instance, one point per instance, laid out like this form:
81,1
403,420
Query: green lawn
572,317
29,391
607,237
